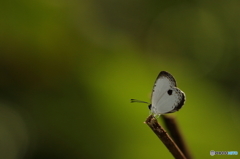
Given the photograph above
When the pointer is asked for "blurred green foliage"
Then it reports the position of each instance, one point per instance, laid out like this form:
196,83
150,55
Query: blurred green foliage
68,70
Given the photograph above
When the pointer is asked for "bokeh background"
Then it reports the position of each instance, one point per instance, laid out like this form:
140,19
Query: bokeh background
68,70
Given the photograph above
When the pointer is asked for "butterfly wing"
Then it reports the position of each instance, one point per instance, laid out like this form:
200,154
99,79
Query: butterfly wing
166,98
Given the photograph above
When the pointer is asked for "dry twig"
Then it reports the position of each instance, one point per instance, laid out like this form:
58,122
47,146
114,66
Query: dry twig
164,137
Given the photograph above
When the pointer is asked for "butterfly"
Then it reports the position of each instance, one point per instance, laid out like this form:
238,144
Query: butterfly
166,97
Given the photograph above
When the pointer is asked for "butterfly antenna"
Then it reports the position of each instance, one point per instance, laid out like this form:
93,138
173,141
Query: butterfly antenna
138,101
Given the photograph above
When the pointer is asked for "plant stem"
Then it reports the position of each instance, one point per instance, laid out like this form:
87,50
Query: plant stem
164,137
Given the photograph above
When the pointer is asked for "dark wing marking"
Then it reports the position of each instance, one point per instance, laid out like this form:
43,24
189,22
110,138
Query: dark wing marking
179,106
169,76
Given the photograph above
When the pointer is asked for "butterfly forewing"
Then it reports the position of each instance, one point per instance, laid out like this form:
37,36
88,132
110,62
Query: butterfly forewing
162,84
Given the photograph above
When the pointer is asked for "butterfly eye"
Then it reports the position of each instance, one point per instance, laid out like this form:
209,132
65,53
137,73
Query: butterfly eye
169,92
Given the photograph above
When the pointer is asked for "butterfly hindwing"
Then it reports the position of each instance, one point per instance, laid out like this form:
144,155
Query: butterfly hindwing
170,102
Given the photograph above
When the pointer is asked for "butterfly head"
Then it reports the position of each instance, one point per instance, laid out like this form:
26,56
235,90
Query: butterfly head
150,106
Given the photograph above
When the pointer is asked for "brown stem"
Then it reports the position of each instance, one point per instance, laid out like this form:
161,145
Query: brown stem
164,137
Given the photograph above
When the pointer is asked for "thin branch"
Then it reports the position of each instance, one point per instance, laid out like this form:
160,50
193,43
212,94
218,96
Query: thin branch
164,137
175,133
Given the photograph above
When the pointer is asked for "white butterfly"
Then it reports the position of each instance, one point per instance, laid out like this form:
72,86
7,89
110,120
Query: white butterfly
166,97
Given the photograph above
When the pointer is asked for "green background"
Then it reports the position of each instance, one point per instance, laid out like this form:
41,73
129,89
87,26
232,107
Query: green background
68,70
